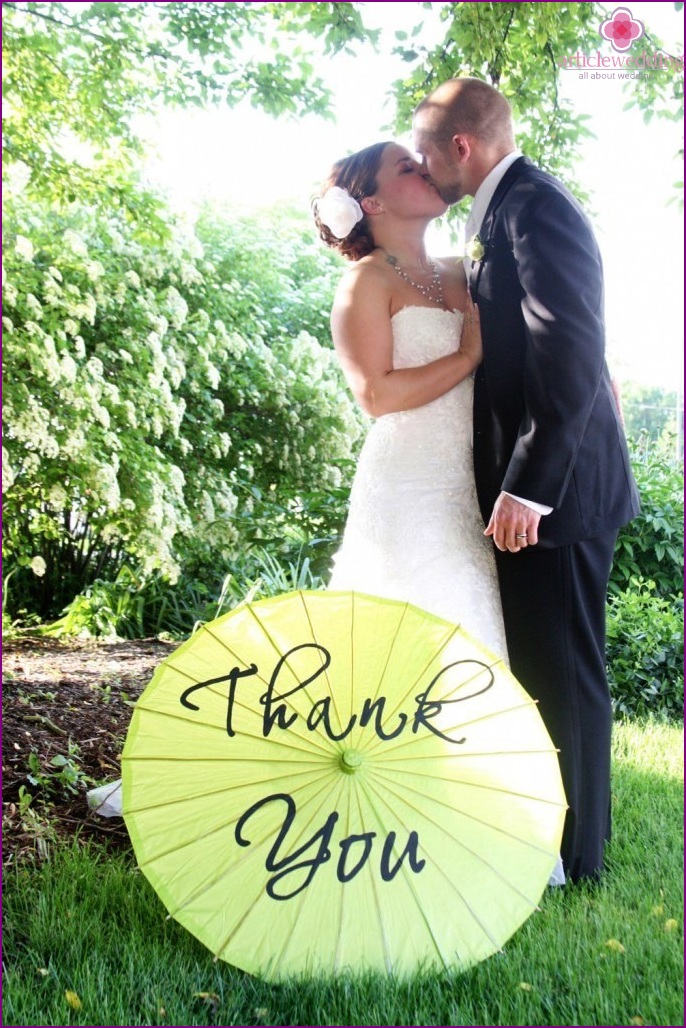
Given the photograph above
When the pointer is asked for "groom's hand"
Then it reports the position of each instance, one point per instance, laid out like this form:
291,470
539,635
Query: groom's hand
513,525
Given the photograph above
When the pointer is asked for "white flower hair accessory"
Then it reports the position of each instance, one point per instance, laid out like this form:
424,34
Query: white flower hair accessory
339,211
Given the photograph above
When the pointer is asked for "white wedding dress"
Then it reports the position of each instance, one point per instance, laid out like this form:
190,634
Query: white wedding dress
414,531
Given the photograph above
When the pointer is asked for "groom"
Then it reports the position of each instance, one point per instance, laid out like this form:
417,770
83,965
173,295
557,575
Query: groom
551,463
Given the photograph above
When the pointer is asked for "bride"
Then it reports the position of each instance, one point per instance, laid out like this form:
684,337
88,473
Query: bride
407,336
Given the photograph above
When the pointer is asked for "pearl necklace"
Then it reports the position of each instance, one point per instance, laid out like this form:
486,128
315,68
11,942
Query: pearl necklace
433,292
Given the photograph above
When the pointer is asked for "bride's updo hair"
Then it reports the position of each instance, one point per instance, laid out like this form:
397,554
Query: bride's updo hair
357,175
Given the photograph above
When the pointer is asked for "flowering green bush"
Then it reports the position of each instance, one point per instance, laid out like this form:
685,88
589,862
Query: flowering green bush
645,652
162,397
645,615
652,545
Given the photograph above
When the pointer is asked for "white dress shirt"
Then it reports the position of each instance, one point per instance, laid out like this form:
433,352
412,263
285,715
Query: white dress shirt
484,193
482,199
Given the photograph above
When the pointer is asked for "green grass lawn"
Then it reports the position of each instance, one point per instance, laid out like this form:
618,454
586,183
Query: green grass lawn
87,941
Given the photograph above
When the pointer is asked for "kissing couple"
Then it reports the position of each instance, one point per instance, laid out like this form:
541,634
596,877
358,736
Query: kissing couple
495,477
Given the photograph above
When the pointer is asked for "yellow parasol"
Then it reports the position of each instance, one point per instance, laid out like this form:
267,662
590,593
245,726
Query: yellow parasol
326,781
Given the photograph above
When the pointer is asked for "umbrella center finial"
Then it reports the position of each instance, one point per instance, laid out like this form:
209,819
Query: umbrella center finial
351,761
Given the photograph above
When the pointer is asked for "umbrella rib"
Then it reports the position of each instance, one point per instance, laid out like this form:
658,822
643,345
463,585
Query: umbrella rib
276,649
453,885
473,784
241,921
254,758
249,607
412,887
336,958
226,871
374,884
389,776
379,742
396,745
352,649
339,938
403,614
179,717
208,630
410,688
469,754
210,832
477,820
289,776
312,741
274,960
201,890
331,691
236,657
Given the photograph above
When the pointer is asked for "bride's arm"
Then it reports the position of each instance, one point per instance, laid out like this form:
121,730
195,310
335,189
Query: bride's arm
362,335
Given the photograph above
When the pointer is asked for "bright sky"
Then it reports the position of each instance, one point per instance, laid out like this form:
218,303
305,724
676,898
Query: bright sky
248,160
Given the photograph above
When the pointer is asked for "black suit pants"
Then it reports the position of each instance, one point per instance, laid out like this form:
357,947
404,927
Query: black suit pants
554,611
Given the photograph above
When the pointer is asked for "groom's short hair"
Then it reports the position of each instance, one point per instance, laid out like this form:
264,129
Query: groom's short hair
466,105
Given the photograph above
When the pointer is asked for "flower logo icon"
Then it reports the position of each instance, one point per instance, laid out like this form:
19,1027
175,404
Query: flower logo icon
622,29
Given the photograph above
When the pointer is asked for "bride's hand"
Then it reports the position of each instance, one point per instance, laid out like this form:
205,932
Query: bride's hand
470,340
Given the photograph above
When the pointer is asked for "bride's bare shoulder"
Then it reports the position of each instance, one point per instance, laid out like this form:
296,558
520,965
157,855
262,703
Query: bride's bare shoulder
366,276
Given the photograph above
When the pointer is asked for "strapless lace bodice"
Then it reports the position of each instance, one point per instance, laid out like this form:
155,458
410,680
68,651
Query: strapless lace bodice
434,440
422,334
414,531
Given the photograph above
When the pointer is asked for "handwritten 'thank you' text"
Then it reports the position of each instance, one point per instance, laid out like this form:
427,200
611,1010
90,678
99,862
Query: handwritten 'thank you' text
475,678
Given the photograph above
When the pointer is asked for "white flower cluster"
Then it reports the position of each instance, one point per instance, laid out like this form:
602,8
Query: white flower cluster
158,413
24,248
75,243
177,307
8,473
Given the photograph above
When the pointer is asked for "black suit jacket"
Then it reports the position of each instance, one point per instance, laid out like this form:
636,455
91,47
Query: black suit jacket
546,425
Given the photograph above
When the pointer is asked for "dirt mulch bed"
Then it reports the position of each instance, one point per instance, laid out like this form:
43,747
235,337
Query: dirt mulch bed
70,700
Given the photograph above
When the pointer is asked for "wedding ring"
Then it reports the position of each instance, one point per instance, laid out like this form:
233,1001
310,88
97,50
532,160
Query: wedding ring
521,535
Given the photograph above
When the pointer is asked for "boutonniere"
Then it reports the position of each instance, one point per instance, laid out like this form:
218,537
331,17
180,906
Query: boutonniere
474,249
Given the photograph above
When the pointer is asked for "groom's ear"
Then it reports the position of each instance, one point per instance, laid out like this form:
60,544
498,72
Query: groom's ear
371,206
462,147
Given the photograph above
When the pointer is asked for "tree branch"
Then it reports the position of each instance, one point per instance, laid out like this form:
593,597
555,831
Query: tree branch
549,51
50,17
494,68
76,26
